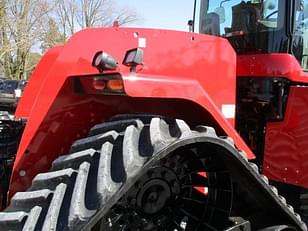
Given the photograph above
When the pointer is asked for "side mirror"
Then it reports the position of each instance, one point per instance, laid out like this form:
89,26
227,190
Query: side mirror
269,4
190,24
221,13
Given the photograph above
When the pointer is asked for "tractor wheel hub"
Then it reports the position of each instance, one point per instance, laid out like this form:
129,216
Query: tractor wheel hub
153,196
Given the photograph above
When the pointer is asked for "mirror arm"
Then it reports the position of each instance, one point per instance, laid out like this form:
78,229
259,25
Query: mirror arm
224,2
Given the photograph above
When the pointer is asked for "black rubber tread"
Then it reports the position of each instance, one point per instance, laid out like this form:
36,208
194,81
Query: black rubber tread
21,199
81,186
304,205
93,141
52,179
53,212
118,126
145,118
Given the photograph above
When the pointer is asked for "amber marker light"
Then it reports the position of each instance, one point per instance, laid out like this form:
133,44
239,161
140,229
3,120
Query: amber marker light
115,85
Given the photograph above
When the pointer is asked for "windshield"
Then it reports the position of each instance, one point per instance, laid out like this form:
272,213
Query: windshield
256,25
300,34
235,16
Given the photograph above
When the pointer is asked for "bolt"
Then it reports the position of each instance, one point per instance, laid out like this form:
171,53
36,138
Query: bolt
153,196
22,173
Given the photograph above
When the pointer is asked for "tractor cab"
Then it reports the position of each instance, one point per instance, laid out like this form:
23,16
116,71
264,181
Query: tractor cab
257,26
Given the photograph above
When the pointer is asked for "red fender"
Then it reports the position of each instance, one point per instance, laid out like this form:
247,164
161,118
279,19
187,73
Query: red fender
37,79
177,65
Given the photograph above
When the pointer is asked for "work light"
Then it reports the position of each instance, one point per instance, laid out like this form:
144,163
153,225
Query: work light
133,58
104,62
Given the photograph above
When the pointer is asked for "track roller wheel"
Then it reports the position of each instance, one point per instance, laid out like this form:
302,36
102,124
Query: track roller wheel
187,190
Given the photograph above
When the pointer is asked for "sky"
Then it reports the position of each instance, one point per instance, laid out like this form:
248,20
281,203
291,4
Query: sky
167,14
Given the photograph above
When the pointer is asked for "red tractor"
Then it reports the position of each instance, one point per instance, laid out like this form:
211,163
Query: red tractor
102,143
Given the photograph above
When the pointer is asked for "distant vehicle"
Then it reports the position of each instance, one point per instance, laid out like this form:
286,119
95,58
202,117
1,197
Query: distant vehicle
10,92
1,83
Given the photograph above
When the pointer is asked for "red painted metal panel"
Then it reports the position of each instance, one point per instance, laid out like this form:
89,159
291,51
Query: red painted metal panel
286,146
31,90
271,65
178,65
193,90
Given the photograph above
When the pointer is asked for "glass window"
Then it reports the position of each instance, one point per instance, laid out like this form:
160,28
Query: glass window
232,16
249,25
300,34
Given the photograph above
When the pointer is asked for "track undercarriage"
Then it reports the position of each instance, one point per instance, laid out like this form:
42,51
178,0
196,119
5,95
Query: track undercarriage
138,172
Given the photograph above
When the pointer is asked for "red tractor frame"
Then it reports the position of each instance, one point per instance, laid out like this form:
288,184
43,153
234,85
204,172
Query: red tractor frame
133,82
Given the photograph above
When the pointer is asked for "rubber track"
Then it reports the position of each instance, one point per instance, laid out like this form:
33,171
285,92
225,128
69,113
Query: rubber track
83,185
304,205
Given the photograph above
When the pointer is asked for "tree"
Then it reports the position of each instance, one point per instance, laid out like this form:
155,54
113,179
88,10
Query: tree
27,25
23,22
91,13
2,37
74,15
69,16
52,36
33,59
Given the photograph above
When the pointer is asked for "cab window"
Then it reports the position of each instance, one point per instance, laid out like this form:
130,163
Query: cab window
300,34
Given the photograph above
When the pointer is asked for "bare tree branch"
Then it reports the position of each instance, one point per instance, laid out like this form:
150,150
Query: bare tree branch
91,13
21,29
